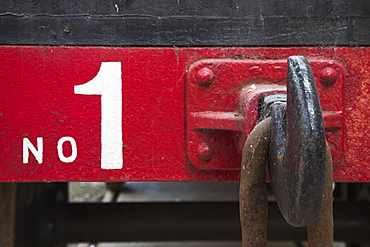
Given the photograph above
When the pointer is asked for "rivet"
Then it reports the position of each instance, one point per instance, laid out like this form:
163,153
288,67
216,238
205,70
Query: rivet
205,77
328,76
205,151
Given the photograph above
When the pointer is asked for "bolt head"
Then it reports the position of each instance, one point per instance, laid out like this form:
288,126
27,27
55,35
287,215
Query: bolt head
205,151
205,77
328,76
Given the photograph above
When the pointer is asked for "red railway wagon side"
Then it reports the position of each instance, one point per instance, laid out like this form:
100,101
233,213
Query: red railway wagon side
130,114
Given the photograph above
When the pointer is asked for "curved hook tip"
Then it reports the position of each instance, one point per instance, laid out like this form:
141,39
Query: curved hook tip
298,176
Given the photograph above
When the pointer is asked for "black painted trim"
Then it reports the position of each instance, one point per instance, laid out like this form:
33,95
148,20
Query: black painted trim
185,23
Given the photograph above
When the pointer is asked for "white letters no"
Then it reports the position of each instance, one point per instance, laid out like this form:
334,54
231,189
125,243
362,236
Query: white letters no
61,156
28,146
108,84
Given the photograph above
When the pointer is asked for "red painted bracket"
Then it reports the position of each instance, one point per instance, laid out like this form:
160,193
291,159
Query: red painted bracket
223,97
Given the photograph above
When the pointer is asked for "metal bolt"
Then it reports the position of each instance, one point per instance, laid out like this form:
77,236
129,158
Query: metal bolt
205,151
328,76
205,77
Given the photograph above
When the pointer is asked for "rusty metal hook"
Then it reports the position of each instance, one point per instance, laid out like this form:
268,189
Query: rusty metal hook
301,177
253,194
253,191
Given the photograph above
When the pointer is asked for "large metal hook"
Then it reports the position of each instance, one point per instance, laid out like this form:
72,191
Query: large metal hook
297,150
300,167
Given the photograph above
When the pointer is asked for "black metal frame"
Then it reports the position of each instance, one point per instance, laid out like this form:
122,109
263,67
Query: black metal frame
45,218
185,22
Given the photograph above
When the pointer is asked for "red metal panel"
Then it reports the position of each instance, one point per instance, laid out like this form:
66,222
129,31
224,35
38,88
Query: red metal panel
224,110
38,99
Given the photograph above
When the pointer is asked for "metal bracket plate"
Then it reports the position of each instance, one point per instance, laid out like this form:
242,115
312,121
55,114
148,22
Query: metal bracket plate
223,97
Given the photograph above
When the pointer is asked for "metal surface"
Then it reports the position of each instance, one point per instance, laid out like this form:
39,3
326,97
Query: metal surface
185,22
297,151
223,112
38,100
253,191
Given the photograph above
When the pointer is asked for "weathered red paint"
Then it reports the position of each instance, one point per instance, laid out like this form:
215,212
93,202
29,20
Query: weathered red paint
37,100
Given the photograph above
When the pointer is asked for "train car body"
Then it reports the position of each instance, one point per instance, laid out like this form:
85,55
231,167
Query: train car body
55,130
167,90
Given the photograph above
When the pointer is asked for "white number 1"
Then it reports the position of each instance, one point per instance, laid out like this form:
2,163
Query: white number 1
108,84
